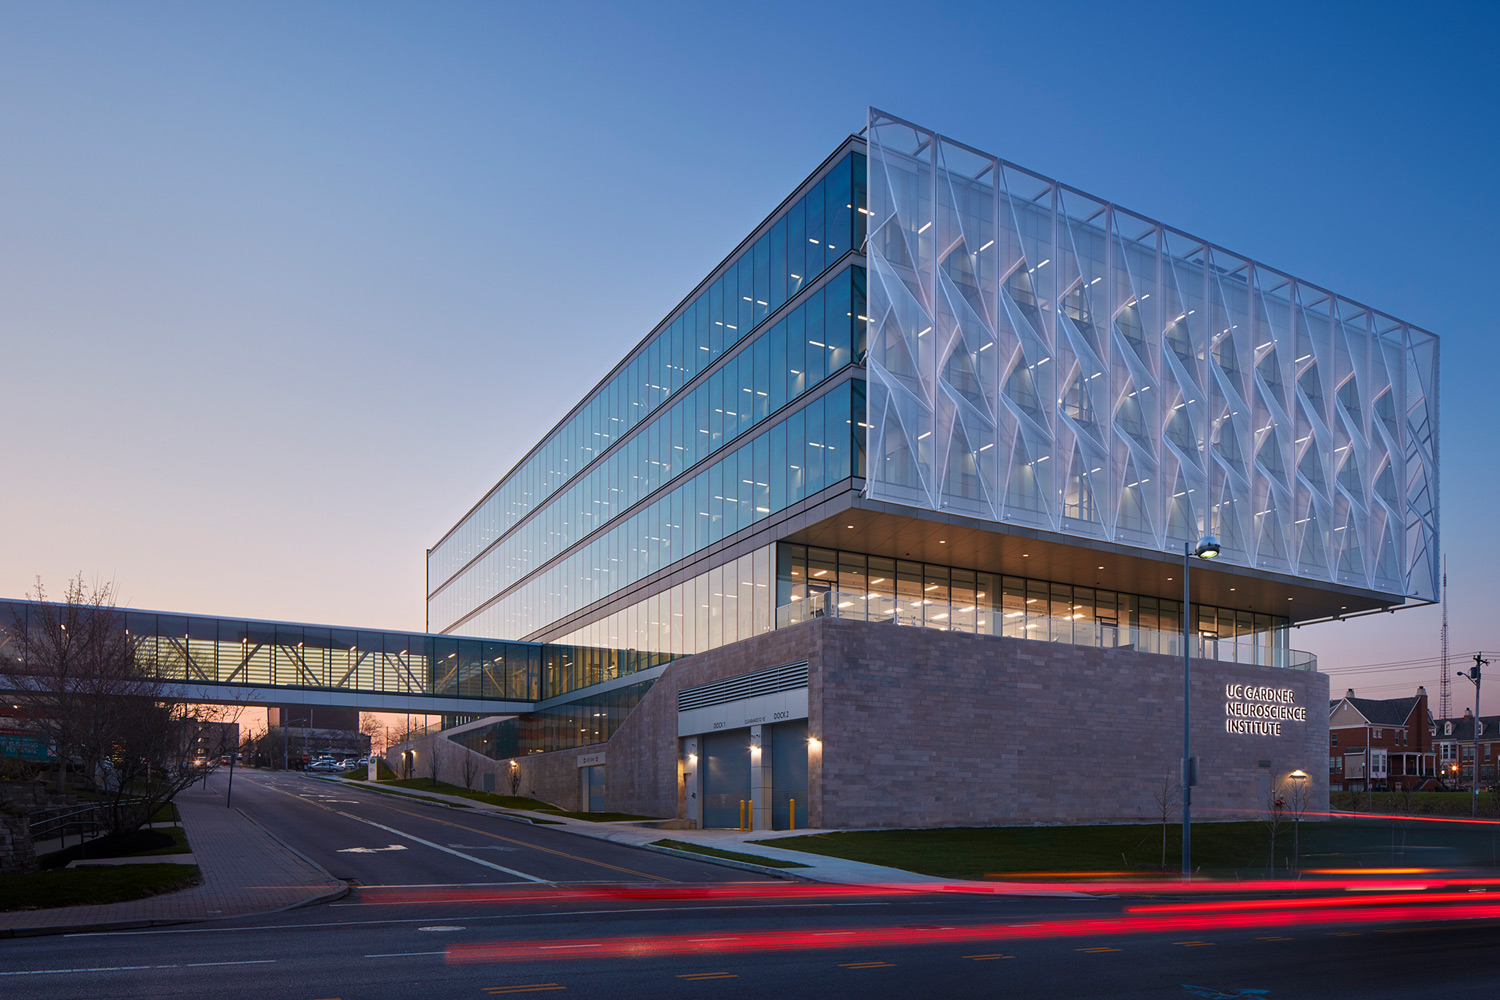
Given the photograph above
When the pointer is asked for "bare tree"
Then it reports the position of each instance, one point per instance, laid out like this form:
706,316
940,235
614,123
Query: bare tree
369,724
1275,814
1166,797
1297,797
432,761
470,768
74,669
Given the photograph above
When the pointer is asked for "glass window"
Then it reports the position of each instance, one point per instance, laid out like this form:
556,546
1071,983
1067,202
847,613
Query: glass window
796,247
814,451
745,296
816,240
816,342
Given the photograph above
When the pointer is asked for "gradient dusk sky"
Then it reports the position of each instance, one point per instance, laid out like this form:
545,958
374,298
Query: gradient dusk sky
285,287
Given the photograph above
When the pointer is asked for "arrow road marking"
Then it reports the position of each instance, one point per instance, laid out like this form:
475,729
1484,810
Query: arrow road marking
371,850
439,847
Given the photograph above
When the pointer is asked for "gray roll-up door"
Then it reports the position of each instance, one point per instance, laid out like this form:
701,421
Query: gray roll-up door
726,777
788,773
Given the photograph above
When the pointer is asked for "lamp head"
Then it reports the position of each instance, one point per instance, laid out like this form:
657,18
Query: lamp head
1208,548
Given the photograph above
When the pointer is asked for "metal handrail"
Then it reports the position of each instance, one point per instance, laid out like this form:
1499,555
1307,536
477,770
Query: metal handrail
45,829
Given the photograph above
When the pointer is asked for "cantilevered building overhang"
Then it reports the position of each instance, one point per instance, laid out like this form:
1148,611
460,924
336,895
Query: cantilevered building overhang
1058,378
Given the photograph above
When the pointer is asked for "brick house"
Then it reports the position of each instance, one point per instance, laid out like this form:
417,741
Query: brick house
1453,740
1388,742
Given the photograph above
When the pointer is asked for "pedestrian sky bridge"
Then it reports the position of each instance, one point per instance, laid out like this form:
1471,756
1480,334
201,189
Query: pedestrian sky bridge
240,661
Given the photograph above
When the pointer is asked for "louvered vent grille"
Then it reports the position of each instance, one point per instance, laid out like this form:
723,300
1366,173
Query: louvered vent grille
772,681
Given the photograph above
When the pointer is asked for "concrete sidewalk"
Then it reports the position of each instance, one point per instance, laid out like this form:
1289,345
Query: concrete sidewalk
819,868
245,871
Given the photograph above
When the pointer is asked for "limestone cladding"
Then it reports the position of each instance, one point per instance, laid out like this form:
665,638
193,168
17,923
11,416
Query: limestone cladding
924,728
550,777
918,727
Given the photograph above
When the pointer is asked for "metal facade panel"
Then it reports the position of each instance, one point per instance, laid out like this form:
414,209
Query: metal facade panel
1043,358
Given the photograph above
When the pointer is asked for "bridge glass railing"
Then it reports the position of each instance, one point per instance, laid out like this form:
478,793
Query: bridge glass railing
1259,648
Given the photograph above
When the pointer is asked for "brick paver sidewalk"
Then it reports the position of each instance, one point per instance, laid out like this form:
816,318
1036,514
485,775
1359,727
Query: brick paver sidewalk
245,870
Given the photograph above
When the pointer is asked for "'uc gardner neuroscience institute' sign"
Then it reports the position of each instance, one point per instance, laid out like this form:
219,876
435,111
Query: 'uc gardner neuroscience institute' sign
1260,711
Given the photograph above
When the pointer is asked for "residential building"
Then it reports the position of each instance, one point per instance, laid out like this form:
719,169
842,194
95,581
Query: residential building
1378,744
1454,742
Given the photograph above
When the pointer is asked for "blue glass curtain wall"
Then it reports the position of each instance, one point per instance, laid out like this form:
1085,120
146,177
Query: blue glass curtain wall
584,722
804,241
783,362
193,650
813,448
732,601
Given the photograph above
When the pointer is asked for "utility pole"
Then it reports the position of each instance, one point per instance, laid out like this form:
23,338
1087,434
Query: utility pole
1474,675
1444,682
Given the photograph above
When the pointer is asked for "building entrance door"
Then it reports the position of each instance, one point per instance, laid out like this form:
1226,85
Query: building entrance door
594,785
726,777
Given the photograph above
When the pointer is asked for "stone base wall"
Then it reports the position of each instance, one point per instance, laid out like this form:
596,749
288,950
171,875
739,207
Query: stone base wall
917,727
924,728
550,777
17,854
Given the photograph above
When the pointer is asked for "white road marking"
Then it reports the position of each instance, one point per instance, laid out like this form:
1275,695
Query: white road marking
440,927
486,917
371,850
132,968
440,847
427,843
406,954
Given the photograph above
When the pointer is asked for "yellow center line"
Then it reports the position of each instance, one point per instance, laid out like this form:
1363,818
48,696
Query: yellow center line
1344,934
986,958
709,975
867,965
1096,951
1193,944
532,988
1273,939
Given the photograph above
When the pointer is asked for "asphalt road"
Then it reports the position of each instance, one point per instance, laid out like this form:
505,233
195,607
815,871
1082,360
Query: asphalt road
381,839
439,919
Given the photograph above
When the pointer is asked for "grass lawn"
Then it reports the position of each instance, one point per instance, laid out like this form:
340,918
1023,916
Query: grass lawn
714,852
142,843
96,884
511,801
1417,803
369,787
1232,849
383,772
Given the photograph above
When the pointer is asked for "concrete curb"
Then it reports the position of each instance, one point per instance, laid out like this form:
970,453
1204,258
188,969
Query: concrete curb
785,873
128,925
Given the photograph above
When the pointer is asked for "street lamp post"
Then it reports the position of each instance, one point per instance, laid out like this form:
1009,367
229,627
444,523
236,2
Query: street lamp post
1208,548
1473,674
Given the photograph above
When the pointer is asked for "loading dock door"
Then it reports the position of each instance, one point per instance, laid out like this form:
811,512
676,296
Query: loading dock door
788,773
726,777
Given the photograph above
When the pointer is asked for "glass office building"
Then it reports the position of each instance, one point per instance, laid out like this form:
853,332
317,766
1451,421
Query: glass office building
1004,412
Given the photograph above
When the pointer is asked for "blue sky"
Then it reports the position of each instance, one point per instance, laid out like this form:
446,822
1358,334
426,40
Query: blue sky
285,287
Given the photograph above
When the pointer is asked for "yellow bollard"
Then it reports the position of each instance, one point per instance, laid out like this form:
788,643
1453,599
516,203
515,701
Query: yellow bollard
793,814
742,815
750,816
